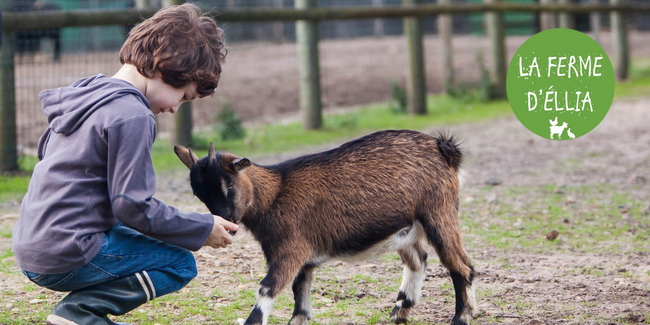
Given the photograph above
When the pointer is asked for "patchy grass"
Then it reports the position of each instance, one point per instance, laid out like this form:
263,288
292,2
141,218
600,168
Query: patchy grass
6,263
14,186
6,232
597,219
639,79
365,293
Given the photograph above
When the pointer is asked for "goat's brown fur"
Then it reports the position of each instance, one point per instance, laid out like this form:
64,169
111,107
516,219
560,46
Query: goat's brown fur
343,202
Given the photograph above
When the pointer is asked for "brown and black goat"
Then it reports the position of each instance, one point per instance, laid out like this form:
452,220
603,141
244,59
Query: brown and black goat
386,191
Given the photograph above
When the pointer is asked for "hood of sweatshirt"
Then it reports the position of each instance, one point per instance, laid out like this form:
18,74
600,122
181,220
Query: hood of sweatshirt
67,108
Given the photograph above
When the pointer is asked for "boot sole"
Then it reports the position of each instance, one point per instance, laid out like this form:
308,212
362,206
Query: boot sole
58,320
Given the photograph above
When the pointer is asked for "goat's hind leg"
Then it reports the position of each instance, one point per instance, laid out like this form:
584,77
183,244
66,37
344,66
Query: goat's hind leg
302,311
415,267
444,235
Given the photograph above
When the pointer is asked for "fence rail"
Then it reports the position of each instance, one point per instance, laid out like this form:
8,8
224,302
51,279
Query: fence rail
15,21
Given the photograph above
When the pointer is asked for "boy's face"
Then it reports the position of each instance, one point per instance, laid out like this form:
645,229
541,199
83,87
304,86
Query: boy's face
165,98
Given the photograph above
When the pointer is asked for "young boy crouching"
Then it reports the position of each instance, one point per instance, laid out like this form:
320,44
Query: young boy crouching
89,223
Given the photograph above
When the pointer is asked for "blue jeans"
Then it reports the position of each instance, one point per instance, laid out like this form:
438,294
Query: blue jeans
124,252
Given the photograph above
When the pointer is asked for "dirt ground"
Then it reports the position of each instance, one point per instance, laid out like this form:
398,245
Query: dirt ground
606,282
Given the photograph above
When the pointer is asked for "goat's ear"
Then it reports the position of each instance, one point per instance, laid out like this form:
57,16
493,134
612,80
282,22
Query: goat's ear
239,164
186,155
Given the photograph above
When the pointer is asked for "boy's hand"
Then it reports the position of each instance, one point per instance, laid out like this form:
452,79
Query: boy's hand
219,237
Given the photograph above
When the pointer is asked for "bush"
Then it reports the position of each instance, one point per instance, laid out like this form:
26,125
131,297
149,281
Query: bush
487,92
483,93
228,124
345,121
399,102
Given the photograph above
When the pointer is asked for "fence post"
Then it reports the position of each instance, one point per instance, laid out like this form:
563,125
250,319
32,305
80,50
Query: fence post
141,4
496,32
445,31
8,131
310,91
378,23
416,86
183,117
567,19
278,27
594,22
547,19
619,41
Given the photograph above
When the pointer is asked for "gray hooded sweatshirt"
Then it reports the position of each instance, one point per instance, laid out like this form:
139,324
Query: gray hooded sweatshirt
95,169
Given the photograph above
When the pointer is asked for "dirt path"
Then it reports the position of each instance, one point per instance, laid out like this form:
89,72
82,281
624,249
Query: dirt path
596,272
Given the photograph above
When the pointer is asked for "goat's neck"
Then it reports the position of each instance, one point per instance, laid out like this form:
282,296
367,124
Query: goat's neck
266,185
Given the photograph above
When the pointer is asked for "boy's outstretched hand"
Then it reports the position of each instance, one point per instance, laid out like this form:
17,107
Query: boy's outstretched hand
219,237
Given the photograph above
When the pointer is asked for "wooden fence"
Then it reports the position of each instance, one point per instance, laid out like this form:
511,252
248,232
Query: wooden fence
307,17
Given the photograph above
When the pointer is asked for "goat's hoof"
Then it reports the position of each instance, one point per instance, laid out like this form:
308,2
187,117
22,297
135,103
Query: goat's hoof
299,320
399,315
459,321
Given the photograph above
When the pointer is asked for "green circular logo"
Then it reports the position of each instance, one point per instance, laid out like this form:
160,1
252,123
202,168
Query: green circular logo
560,84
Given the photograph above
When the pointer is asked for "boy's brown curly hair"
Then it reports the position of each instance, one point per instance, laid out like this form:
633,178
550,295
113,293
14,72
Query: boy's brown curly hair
181,43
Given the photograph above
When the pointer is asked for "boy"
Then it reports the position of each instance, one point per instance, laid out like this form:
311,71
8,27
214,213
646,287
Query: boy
89,223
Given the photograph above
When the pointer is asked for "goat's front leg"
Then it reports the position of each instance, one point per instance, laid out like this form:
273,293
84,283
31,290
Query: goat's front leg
282,270
301,288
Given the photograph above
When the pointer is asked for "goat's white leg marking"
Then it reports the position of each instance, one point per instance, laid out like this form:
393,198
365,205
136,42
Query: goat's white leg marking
471,302
414,258
264,304
412,280
412,284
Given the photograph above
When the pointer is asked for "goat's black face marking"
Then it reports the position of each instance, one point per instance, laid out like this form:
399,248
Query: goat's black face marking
214,187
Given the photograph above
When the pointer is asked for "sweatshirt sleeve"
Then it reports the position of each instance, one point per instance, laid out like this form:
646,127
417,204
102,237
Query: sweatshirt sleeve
132,184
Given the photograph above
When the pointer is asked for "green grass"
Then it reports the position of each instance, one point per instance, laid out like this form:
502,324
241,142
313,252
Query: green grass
639,79
6,232
13,187
275,138
5,265
591,221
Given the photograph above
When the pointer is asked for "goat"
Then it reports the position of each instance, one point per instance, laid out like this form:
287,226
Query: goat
558,130
382,192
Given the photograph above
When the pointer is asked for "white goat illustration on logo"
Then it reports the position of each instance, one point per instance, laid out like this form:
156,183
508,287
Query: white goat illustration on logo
558,129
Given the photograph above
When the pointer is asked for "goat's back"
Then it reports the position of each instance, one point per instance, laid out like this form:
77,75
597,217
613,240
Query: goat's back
379,180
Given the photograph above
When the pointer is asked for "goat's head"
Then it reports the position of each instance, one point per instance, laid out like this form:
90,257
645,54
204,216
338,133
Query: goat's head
219,181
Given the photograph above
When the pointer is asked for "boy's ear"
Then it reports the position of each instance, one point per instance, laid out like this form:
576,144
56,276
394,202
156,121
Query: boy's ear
186,155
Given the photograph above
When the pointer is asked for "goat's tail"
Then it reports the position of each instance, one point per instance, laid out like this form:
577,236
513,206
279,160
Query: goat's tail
450,149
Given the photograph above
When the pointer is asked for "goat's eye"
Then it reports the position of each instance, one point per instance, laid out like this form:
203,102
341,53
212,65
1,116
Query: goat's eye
230,186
